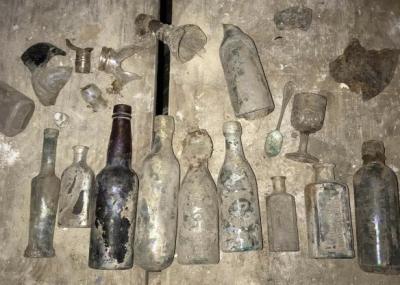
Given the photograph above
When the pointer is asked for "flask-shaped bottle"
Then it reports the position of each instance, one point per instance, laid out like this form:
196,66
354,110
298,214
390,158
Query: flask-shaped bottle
328,215
158,201
45,189
111,236
376,197
248,88
77,192
282,218
240,224
197,241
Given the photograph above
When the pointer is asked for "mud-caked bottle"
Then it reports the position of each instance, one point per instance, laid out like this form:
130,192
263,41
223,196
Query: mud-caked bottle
376,197
45,189
197,241
328,215
77,192
282,218
111,236
248,88
240,223
158,201
15,110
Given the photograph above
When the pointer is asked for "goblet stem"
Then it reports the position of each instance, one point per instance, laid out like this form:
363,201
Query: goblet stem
303,143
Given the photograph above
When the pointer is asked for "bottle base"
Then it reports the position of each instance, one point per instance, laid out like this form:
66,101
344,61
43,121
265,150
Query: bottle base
389,270
302,157
110,266
37,253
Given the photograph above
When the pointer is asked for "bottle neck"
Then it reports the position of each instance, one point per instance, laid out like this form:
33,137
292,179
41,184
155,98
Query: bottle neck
49,155
324,173
80,154
233,145
278,184
373,158
162,141
120,144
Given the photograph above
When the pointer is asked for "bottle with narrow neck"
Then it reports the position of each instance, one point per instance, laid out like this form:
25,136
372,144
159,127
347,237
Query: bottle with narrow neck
377,209
328,215
240,225
111,238
77,192
45,190
197,241
282,218
157,205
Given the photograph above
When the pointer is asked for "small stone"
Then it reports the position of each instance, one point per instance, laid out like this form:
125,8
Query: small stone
364,71
297,17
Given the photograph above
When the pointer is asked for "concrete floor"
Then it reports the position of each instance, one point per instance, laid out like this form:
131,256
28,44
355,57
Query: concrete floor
198,98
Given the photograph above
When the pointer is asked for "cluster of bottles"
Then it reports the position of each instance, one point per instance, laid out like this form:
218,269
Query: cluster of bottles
150,220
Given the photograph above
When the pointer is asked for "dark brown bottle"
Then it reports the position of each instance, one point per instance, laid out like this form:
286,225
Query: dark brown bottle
15,110
376,198
45,189
111,239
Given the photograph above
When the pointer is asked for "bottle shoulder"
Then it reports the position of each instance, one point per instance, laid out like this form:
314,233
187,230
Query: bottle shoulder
116,171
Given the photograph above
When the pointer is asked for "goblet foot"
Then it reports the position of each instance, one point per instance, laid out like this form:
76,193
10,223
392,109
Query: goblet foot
302,157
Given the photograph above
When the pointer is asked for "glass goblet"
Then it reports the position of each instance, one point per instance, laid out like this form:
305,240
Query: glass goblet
308,114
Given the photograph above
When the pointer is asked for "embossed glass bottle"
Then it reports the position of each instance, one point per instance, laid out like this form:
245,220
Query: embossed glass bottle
111,236
45,189
240,224
197,241
77,192
376,198
282,218
248,88
328,215
158,201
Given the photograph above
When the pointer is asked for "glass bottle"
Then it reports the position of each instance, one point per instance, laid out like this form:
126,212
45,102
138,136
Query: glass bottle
15,110
111,238
45,188
248,88
328,215
240,224
376,197
282,218
158,205
197,241
77,192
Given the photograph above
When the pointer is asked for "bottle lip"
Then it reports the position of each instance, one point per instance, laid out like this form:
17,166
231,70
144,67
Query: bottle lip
278,177
373,148
232,127
164,122
122,110
50,132
80,148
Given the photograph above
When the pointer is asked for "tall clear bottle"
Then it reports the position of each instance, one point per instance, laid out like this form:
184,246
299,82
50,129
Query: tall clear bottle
111,236
197,241
77,192
248,88
282,218
158,201
328,215
376,197
45,189
240,223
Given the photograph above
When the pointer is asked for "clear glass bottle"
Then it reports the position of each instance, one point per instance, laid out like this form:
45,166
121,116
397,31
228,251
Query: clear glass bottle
197,241
15,110
376,197
248,88
328,215
77,192
45,189
111,236
158,201
282,218
240,223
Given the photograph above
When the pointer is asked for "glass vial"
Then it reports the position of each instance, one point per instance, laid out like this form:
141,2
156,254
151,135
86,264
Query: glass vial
240,224
77,192
111,236
45,188
376,197
158,201
328,215
282,218
198,205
